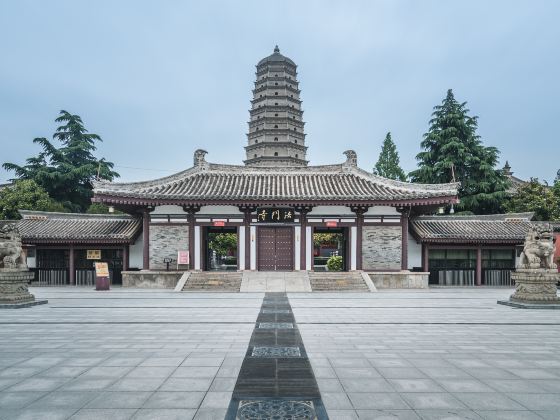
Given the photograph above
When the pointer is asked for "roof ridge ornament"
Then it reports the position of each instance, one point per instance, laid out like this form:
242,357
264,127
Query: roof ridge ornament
351,158
199,160
276,49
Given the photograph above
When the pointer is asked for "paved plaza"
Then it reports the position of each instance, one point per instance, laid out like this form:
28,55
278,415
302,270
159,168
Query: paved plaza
154,354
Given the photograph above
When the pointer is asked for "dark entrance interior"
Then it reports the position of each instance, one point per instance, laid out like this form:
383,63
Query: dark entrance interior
275,248
220,244
329,243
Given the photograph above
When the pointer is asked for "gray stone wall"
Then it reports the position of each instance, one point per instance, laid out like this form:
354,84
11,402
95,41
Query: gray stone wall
381,247
165,241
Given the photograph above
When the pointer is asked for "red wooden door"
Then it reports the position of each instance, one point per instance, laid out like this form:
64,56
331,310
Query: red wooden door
276,248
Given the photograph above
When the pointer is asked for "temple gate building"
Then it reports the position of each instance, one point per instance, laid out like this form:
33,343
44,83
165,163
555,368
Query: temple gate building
276,212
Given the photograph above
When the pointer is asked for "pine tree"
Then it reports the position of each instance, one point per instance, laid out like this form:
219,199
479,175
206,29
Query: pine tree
452,149
388,163
66,172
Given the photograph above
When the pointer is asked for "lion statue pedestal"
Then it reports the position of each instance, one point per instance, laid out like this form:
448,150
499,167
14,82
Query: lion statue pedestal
536,275
14,274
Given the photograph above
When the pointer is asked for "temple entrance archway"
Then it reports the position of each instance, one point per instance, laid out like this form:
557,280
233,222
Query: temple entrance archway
275,248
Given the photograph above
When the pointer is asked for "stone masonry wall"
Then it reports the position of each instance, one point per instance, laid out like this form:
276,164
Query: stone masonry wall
165,241
381,247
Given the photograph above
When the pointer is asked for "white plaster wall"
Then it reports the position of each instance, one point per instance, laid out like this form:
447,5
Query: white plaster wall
381,210
135,253
168,210
414,253
219,210
331,211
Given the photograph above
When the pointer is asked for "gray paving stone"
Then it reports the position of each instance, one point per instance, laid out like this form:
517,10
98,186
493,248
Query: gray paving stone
464,385
449,414
64,399
195,372
216,400
13,400
387,415
336,401
38,384
511,415
373,401
488,401
164,414
165,399
432,400
203,361
366,385
210,413
131,399
103,413
537,401
137,384
188,384
43,414
150,372
223,384
415,385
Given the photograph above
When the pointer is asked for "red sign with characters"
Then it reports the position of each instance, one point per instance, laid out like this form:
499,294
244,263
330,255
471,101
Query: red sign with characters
219,223
331,224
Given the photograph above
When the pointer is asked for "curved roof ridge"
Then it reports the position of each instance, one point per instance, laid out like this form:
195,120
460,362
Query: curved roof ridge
404,184
478,217
166,179
63,215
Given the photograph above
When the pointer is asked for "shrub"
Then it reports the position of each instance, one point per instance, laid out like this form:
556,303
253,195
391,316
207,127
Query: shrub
334,263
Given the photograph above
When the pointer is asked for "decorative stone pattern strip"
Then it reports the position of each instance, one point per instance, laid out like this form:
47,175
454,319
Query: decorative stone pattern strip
276,380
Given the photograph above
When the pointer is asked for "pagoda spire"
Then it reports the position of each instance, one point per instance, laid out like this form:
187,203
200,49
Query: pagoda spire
276,129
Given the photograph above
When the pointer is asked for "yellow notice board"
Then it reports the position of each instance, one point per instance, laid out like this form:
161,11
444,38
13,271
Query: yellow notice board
101,269
93,254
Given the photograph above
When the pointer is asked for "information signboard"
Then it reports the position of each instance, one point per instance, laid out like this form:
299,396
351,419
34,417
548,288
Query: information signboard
182,257
93,254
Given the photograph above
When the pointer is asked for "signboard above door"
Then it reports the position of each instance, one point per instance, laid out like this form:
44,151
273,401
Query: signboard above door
275,215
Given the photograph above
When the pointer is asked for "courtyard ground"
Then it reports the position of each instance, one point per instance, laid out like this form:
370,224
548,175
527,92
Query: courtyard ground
131,353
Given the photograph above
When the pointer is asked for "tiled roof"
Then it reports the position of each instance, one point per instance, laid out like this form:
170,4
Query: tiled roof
496,228
45,227
231,183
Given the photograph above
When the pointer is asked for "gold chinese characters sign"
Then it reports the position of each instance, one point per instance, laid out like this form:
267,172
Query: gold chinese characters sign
93,254
275,215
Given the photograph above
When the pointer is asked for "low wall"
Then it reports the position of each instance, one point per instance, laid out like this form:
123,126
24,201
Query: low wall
399,279
151,279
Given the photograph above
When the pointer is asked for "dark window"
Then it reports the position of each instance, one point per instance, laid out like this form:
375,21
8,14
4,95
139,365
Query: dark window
275,138
296,155
295,129
276,93
255,155
295,141
276,126
275,115
256,141
275,103
276,83
275,153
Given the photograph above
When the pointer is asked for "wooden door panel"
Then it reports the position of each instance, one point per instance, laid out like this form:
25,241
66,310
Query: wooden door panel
275,248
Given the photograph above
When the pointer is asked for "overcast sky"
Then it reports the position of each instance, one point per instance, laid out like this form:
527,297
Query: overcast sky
159,79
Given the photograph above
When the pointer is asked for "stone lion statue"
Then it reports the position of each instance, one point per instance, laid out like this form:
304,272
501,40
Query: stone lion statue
10,248
538,251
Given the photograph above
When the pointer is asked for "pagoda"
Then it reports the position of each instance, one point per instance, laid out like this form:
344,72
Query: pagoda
276,129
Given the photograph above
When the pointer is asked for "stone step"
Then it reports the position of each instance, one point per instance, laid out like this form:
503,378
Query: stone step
345,281
214,281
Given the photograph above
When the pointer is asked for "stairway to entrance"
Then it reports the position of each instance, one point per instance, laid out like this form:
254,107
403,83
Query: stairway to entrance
346,281
213,281
275,281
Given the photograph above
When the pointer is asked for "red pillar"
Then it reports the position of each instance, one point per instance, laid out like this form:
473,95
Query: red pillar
146,239
126,258
425,258
71,266
479,266
404,234
303,241
247,227
359,227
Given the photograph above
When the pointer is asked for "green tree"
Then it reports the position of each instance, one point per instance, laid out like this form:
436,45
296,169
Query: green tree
538,198
222,243
453,150
66,172
25,195
388,164
100,208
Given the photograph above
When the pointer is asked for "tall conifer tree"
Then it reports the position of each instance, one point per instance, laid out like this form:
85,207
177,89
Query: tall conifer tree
452,149
66,172
388,163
